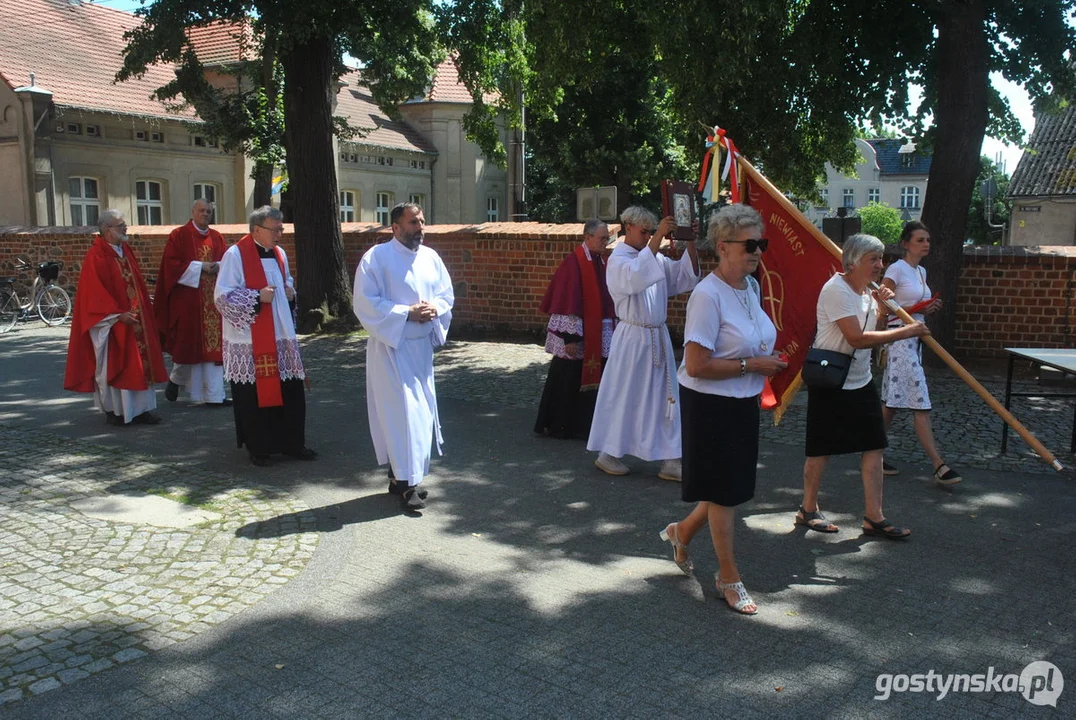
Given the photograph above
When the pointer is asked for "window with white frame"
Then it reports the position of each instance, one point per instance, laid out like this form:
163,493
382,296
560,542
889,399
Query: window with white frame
417,199
824,197
493,209
347,206
383,207
85,200
149,202
909,197
874,195
848,198
207,192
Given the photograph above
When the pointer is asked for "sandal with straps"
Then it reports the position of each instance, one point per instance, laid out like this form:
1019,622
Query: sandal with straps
815,521
945,475
743,600
886,529
670,536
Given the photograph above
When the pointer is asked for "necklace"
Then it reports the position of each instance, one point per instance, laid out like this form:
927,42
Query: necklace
746,300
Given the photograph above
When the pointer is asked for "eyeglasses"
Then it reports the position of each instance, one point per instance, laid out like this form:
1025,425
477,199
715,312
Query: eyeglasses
648,231
121,225
274,230
753,244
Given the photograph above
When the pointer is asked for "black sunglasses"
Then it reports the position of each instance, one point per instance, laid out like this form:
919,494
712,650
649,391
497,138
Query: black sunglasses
751,245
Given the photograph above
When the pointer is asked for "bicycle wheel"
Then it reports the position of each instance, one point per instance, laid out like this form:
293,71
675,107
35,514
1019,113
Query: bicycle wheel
53,305
9,311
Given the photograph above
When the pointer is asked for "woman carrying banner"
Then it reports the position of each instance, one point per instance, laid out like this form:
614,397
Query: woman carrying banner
904,385
849,419
728,351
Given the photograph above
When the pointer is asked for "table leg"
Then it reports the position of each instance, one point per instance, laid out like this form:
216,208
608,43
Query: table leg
1008,396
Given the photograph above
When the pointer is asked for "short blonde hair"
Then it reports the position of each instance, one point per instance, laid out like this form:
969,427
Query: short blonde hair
638,215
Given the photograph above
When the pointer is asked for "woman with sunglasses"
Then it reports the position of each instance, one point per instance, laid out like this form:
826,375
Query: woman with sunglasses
728,352
849,419
904,385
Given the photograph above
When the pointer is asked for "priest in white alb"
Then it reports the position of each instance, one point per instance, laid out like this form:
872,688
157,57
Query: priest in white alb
403,298
637,411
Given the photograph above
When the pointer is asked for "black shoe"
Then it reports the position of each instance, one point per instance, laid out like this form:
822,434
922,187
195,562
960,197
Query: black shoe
171,393
304,454
260,461
112,418
888,469
146,418
412,500
226,402
398,488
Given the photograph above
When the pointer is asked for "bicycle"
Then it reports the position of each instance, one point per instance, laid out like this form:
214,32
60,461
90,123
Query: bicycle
50,301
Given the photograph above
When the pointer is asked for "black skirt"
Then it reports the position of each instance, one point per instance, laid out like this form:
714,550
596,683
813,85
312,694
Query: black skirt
720,447
565,411
844,421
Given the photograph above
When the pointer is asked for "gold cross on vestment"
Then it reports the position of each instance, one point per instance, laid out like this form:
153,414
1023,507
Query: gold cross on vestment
593,364
265,365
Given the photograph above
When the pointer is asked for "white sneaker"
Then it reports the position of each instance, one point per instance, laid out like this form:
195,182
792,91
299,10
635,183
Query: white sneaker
670,470
611,465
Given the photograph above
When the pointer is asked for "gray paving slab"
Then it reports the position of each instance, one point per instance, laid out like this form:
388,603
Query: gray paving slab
533,585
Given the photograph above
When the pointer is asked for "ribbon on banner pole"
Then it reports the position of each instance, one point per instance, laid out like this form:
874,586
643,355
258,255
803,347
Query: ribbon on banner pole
718,143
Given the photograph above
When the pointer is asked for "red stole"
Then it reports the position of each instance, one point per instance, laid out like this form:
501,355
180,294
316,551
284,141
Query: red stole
263,331
212,347
592,322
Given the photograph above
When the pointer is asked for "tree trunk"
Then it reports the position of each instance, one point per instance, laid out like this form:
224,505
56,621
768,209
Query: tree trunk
263,184
309,84
960,117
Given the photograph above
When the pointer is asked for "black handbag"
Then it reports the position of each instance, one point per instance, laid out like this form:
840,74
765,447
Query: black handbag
825,369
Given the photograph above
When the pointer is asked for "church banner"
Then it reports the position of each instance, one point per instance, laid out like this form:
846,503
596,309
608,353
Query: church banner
795,266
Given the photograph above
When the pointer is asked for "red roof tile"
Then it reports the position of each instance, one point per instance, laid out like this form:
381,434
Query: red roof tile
223,42
75,51
355,102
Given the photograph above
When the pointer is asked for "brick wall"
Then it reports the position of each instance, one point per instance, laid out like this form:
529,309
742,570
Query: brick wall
1006,296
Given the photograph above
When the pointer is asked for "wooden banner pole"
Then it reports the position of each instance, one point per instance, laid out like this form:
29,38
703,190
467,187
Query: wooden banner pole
933,344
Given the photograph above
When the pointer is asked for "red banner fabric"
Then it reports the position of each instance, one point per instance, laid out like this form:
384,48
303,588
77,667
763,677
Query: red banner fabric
793,269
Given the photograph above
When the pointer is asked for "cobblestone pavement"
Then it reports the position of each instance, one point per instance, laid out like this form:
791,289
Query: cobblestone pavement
79,595
532,586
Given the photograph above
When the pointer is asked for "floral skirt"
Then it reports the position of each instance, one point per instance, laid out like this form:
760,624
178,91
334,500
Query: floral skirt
903,383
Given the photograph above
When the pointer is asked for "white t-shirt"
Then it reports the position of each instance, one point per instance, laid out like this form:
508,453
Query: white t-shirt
838,300
730,324
911,287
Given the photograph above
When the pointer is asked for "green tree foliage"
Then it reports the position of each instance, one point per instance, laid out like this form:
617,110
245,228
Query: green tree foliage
399,48
881,221
979,223
616,129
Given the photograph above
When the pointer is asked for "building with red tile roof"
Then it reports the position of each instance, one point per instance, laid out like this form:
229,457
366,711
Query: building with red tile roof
75,142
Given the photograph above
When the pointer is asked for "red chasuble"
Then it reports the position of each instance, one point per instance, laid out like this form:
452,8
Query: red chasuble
186,317
110,285
263,331
579,288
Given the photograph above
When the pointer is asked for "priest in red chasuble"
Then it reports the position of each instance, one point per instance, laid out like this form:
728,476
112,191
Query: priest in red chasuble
581,320
186,315
114,351
261,350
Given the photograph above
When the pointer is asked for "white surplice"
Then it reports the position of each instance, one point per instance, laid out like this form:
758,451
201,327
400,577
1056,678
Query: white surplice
638,407
237,305
400,395
204,381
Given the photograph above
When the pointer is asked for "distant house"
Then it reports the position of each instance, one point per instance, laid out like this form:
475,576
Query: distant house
890,171
73,142
1043,188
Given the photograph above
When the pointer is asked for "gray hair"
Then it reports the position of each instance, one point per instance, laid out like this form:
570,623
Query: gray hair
107,217
729,220
591,226
857,246
265,212
209,203
638,215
